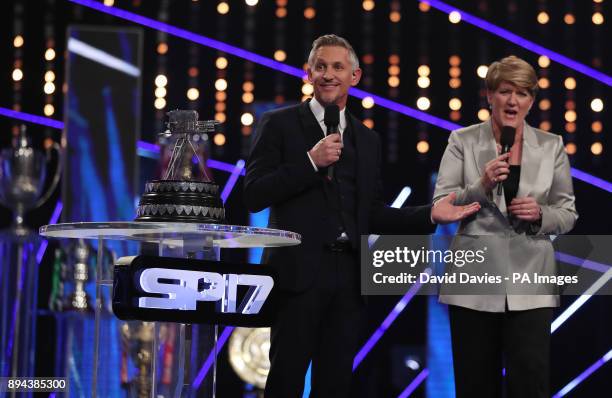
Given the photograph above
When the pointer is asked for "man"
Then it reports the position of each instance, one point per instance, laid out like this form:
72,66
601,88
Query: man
288,172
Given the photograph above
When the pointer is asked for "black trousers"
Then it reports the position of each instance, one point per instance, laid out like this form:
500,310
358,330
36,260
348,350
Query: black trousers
322,325
486,342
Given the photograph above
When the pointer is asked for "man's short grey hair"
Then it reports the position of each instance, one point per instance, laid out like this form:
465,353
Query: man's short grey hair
331,41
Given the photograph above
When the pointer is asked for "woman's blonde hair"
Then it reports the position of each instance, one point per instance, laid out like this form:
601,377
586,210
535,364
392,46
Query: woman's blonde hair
514,70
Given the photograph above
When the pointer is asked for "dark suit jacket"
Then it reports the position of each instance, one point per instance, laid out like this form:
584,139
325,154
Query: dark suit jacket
279,175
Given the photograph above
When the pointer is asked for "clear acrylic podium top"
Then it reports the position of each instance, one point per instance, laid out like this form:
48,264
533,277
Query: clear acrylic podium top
175,233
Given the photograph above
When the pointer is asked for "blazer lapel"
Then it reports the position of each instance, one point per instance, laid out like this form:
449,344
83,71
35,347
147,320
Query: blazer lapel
310,127
486,151
531,160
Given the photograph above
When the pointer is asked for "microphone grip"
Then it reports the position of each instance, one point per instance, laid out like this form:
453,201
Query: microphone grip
330,168
505,149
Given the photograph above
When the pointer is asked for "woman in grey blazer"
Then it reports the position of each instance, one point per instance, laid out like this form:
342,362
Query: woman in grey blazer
511,331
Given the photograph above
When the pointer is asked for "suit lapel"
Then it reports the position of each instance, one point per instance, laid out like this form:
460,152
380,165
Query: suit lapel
310,127
486,151
532,158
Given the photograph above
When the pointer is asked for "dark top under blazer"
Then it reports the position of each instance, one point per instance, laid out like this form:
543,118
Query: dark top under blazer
279,175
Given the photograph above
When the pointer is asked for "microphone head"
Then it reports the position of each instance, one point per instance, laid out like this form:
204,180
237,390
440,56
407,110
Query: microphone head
507,136
332,116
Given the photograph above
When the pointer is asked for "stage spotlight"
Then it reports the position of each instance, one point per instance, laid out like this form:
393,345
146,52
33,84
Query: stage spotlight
248,86
455,115
159,103
247,98
220,117
281,12
280,55
162,48
423,103
412,362
483,114
422,146
251,2
454,60
454,104
597,148
160,92
221,63
307,89
454,17
570,148
395,16
543,18
569,19
454,82
193,71
367,102
545,125
569,83
48,110
161,80
424,6
193,94
597,18
309,13
394,70
368,5
369,123
18,41
482,70
570,116
246,119
544,104
221,84
597,127
570,104
570,127
423,70
423,82
394,81
109,3
219,139
368,59
394,59
50,54
544,83
223,8
49,76
543,61
49,88
454,71
220,96
220,106
597,105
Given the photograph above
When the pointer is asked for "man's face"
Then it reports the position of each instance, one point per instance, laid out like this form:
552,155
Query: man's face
510,104
332,75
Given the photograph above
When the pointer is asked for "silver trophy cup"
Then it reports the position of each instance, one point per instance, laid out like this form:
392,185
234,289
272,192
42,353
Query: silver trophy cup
23,171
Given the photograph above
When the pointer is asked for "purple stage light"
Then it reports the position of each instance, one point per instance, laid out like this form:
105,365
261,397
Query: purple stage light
591,179
211,357
520,41
28,117
414,384
54,217
399,307
589,371
231,182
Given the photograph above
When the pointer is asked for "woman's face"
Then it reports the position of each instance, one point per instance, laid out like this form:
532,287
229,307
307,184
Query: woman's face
509,104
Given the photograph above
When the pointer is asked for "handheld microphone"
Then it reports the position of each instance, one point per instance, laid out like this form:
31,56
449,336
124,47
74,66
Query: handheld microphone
506,140
331,120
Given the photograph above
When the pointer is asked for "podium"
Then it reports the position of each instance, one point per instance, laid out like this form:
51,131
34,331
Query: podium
187,240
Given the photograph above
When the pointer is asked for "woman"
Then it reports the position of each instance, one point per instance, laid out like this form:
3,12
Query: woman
490,332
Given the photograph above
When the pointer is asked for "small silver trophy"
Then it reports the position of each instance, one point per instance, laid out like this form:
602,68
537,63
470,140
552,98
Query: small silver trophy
22,178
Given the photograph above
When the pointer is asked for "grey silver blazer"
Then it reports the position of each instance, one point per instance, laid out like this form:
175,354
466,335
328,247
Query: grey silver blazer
545,176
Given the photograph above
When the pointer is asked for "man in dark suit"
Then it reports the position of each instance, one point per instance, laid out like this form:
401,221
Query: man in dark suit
288,172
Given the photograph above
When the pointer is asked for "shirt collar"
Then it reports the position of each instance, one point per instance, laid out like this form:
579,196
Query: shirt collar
319,112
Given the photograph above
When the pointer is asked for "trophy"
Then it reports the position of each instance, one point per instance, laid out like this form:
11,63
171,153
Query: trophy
23,172
186,192
249,350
